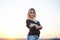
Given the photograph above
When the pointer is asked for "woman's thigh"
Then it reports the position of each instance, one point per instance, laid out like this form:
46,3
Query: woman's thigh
32,37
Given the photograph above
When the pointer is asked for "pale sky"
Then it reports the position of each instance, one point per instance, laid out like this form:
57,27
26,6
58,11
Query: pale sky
13,14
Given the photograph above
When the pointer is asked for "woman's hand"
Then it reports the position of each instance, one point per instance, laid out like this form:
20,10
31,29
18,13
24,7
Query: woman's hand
31,24
38,27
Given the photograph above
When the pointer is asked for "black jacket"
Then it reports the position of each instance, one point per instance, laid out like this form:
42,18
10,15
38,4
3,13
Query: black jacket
33,30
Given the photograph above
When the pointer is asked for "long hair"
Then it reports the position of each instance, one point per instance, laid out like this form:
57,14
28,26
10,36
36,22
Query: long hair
29,12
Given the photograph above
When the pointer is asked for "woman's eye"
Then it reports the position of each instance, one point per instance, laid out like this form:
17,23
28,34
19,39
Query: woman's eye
31,12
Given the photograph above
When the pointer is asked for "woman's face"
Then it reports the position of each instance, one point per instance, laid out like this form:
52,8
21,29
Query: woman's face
32,14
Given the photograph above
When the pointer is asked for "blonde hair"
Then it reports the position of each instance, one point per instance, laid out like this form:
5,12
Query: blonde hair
29,12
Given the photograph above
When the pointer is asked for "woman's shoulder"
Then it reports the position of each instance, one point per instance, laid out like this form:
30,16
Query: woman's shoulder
36,21
28,20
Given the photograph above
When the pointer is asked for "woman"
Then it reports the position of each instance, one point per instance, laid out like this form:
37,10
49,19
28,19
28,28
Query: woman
33,25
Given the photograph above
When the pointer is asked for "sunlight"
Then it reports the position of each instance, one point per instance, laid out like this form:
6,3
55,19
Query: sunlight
11,35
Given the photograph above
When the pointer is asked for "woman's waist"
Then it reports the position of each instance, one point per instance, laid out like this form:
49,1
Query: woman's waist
34,31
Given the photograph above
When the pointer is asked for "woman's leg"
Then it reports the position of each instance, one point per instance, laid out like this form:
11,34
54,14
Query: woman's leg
36,37
32,37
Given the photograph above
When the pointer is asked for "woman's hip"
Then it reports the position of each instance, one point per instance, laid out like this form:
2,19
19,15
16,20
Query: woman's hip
32,37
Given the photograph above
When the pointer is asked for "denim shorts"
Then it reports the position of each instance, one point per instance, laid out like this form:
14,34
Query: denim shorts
32,37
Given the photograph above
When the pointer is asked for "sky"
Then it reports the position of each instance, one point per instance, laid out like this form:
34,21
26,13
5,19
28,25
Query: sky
13,15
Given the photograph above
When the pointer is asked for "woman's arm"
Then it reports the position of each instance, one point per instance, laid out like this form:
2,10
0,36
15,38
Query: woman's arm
38,27
30,25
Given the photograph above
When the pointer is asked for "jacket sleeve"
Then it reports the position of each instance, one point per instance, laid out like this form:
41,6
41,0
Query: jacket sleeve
28,25
39,25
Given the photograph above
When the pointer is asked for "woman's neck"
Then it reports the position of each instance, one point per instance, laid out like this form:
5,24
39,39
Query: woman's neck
31,18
